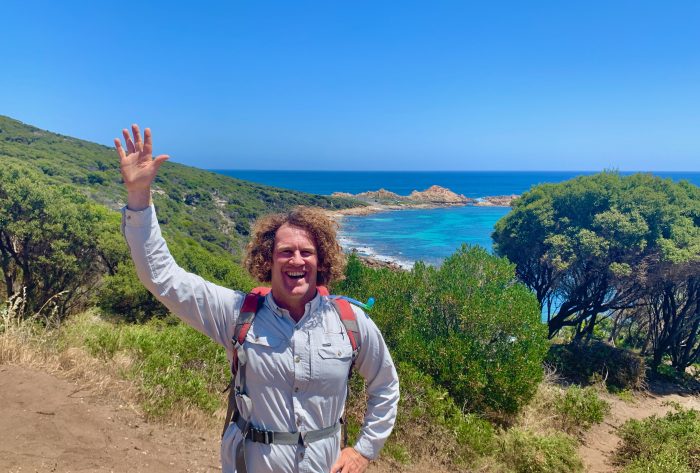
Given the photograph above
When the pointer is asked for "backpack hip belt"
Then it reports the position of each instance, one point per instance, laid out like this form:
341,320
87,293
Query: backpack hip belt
284,438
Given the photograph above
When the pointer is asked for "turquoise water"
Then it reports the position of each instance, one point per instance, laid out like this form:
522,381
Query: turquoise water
407,236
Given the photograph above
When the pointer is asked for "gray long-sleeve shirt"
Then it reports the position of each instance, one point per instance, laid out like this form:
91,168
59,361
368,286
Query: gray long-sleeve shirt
296,373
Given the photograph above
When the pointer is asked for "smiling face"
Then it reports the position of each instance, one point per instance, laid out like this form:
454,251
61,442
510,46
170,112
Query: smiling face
294,269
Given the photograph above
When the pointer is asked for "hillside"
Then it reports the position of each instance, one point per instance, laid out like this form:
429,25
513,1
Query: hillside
214,209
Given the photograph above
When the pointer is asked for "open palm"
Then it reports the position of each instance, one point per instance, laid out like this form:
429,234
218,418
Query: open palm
138,167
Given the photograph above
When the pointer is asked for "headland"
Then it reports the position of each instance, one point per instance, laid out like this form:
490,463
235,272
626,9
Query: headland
433,197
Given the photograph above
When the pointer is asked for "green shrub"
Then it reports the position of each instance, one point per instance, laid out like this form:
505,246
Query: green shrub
661,444
582,363
428,425
467,324
580,408
124,295
174,365
524,452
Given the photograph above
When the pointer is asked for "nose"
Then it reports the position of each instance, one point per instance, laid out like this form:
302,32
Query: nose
296,258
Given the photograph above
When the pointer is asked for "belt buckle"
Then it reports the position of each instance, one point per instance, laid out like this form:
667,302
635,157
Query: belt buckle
262,436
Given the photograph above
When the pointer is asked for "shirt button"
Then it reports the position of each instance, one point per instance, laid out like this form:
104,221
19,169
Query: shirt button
297,359
296,389
298,421
301,454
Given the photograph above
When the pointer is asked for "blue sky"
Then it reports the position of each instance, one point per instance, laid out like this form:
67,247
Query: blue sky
509,85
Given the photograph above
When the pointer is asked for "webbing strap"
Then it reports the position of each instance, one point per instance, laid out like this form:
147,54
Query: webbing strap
347,317
349,321
285,438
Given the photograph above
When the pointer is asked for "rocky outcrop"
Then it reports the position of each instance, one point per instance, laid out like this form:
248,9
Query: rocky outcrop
380,195
433,196
439,195
497,201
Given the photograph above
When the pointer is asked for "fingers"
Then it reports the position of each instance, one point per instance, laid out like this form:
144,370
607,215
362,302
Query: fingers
337,465
160,160
129,144
120,150
148,141
137,137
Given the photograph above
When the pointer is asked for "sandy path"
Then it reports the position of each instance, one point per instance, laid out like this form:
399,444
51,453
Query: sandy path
602,440
49,424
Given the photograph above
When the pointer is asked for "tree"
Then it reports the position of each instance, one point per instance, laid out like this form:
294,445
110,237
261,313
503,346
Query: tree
49,241
673,312
468,324
585,246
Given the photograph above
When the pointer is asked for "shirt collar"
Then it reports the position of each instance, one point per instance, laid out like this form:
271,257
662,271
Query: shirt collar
310,307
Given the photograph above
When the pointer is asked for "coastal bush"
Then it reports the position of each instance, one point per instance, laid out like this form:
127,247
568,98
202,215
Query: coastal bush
669,444
50,242
521,451
580,408
429,423
174,366
467,324
599,243
122,294
582,363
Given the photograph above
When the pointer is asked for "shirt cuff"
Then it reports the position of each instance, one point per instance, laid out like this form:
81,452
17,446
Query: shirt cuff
365,448
138,218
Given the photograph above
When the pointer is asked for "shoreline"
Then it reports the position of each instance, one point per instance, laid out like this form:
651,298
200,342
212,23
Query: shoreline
376,207
381,201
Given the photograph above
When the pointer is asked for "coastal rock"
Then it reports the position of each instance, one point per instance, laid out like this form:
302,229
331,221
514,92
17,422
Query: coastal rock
497,201
380,195
379,264
438,195
342,194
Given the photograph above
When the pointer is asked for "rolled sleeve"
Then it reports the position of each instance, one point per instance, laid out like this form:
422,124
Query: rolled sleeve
374,363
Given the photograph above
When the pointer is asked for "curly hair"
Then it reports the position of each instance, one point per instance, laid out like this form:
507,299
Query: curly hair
331,259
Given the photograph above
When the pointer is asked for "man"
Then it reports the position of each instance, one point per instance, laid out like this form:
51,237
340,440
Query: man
297,353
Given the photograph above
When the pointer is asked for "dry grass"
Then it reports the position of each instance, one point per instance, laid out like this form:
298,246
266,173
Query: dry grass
539,416
33,341
36,341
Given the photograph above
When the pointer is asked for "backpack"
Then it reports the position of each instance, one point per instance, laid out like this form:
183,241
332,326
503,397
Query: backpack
251,304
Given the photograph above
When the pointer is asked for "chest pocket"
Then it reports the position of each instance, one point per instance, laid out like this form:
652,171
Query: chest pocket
331,351
334,358
265,359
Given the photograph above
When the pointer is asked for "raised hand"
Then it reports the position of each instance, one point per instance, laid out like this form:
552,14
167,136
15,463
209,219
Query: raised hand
138,167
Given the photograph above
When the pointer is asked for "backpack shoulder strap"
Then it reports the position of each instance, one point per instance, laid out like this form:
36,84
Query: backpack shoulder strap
349,321
251,304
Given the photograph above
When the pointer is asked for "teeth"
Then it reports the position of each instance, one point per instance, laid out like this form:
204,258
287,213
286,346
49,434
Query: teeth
295,274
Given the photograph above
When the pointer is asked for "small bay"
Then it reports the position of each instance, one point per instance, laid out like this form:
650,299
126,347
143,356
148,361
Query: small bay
430,235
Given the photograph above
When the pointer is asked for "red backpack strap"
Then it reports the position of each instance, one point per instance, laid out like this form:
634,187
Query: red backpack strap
349,320
323,291
252,302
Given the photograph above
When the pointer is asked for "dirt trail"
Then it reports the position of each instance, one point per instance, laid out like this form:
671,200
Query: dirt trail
601,441
49,424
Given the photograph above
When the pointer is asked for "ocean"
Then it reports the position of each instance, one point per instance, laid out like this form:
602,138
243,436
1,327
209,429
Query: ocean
407,236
